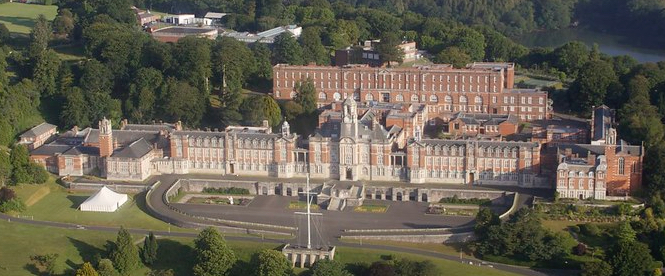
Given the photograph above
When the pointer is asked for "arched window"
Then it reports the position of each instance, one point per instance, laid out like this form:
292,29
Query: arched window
337,96
293,95
448,99
322,96
433,98
399,98
414,98
369,97
462,99
479,100
622,165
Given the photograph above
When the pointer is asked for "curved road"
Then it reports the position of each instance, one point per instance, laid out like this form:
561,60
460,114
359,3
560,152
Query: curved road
167,214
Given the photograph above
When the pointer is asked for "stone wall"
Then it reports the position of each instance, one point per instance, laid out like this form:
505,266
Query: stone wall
426,238
120,188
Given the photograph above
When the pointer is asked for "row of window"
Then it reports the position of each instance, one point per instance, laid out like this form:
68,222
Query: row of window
374,76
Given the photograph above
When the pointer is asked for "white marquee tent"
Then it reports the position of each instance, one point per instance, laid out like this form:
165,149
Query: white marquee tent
104,200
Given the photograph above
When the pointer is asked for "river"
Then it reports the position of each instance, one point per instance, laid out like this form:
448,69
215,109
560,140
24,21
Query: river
608,44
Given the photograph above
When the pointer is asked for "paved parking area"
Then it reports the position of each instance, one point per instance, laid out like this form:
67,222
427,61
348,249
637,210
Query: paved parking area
274,210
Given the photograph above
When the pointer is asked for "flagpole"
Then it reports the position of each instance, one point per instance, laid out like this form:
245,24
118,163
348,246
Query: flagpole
309,213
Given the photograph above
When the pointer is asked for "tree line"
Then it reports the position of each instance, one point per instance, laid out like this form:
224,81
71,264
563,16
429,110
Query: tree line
638,19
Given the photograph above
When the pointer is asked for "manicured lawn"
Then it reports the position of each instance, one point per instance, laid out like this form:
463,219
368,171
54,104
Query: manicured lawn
447,249
19,18
351,256
61,205
21,241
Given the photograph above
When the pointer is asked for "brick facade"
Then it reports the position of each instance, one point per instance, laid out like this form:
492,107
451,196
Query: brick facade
479,88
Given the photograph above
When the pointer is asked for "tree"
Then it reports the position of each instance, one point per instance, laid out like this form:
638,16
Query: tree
182,102
45,263
590,87
640,121
312,48
125,254
233,63
105,268
140,104
454,56
471,42
262,55
45,72
287,50
5,168
327,267
149,250
193,58
415,268
343,33
381,269
291,110
270,262
75,111
39,37
255,109
599,268
38,173
629,258
19,162
570,57
388,48
213,256
6,194
625,232
63,24
484,219
4,34
86,270
306,95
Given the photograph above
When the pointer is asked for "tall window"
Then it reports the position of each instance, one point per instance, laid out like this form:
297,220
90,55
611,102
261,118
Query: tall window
622,165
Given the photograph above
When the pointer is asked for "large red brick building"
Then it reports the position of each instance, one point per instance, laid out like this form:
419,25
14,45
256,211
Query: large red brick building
478,88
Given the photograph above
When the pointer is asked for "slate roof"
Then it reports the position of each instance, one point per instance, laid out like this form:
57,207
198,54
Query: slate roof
484,119
79,150
124,137
153,127
583,150
603,118
38,130
480,143
50,149
137,149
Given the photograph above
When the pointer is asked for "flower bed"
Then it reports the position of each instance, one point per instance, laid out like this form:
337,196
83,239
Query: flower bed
371,208
220,201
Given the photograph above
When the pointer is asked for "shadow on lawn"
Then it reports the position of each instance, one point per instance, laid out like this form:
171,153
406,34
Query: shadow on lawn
21,21
76,200
88,251
174,255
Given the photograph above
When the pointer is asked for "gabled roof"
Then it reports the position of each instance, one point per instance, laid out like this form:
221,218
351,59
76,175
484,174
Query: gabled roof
137,149
38,130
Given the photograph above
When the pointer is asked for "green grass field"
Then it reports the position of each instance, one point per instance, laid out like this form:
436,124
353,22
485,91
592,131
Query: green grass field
60,205
20,241
19,18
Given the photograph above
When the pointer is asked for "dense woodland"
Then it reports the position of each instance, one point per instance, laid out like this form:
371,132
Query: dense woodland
203,83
